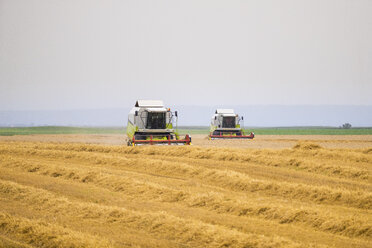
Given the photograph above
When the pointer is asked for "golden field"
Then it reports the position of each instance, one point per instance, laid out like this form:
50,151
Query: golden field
272,192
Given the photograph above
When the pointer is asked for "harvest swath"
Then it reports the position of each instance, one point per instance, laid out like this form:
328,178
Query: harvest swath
80,195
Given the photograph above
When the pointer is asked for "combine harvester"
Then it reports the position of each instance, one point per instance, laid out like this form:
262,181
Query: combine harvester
225,125
150,123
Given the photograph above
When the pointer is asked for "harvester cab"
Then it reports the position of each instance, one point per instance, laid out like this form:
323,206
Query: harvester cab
225,124
149,122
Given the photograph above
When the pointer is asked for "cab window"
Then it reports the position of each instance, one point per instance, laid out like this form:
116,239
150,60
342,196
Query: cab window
156,120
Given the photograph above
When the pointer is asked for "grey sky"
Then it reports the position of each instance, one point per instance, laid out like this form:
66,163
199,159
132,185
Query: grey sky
76,54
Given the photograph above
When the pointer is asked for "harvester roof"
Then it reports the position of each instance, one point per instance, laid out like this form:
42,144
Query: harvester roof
156,109
225,111
149,104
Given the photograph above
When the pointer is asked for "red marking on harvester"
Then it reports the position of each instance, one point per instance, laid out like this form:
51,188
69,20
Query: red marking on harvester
231,136
168,141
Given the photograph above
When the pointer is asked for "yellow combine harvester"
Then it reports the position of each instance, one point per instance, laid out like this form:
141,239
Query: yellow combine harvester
225,124
150,123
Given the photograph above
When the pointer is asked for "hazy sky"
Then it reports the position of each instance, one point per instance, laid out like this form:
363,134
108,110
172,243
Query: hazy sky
76,54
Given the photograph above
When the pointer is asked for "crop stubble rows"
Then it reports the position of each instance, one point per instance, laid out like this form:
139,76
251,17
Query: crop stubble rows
83,195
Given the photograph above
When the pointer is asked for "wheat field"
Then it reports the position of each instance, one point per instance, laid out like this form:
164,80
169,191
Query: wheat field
96,195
